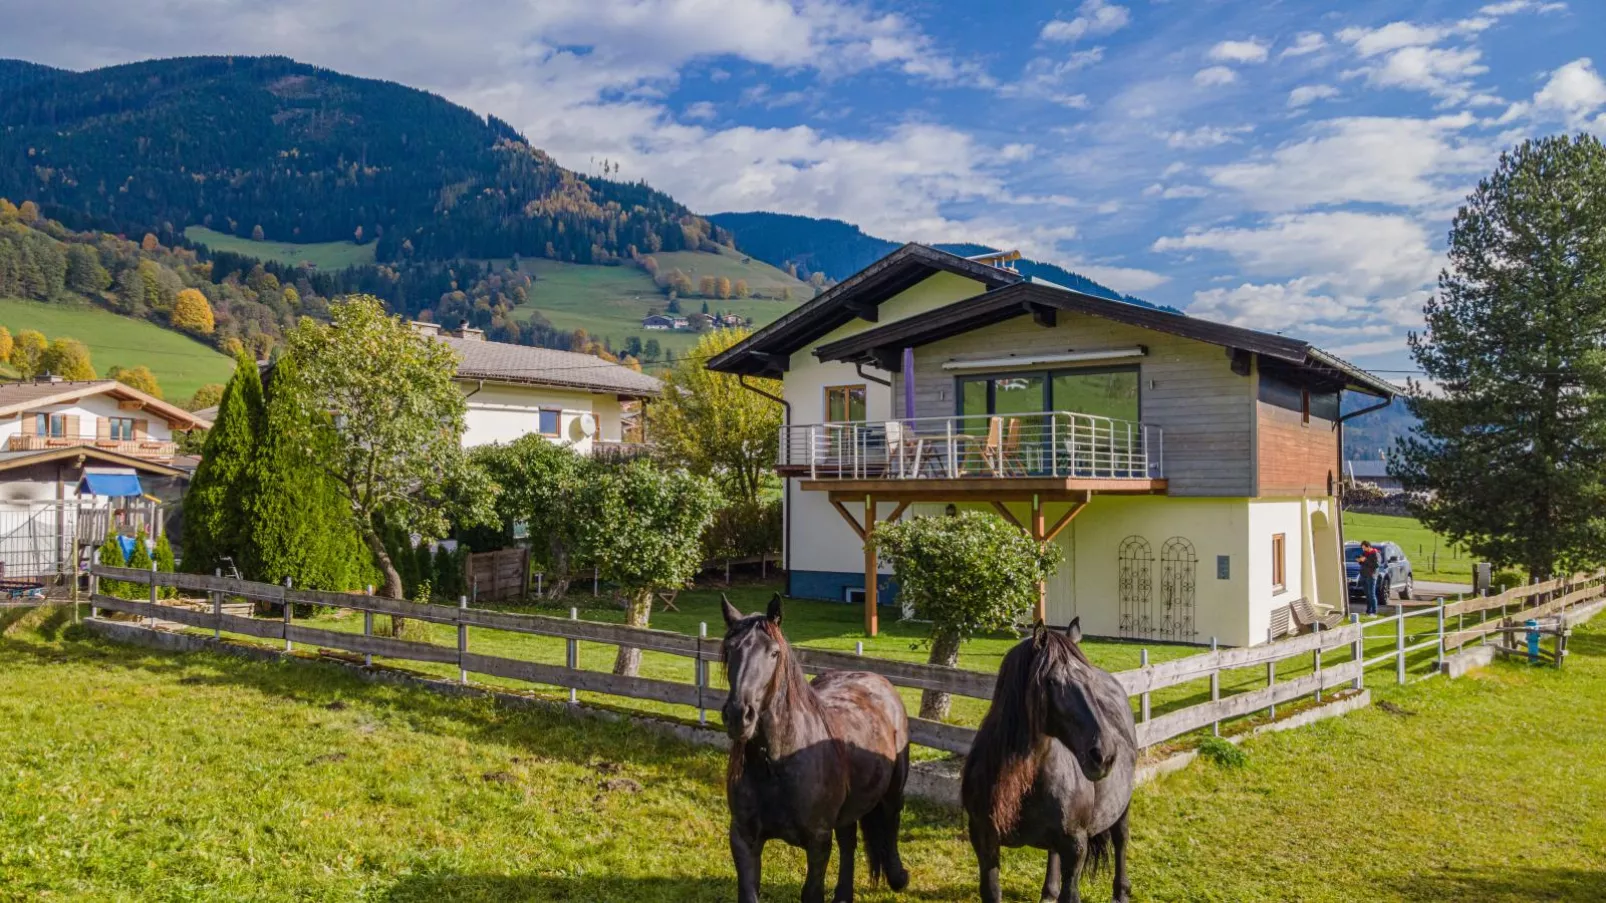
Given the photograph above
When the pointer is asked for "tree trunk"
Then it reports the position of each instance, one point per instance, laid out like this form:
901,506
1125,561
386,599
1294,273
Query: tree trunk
637,610
559,585
944,651
393,582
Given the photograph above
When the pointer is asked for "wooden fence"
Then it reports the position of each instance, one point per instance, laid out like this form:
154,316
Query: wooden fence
500,576
1352,642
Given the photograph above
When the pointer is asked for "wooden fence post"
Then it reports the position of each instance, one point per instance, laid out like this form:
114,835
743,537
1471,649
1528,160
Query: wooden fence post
1271,674
1318,666
462,642
152,620
1441,633
595,580
1360,650
1215,688
284,600
702,672
368,630
94,590
1143,703
572,656
217,607
1399,646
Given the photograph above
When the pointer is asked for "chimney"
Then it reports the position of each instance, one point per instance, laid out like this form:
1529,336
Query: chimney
465,331
46,377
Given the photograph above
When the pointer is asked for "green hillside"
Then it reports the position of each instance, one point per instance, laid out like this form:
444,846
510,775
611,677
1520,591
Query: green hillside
327,255
180,363
762,278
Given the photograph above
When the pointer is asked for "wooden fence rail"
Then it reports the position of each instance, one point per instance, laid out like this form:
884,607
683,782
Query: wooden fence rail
1538,600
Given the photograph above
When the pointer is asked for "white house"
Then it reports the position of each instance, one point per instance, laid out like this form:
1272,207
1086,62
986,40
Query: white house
1187,469
77,458
513,390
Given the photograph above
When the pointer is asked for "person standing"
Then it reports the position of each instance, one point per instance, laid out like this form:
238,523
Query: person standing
1370,561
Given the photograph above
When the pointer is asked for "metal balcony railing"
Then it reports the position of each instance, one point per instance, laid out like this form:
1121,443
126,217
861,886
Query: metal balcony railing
1044,444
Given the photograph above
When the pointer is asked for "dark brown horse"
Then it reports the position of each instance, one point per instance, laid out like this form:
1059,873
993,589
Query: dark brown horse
1052,766
809,761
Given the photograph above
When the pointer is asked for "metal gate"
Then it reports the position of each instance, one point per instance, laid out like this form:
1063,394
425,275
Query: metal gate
1179,571
1135,586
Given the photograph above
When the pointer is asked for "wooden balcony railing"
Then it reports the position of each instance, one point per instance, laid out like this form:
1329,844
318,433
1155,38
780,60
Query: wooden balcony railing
137,448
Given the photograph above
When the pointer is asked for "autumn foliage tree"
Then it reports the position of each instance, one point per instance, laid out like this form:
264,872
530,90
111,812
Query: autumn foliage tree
139,377
193,312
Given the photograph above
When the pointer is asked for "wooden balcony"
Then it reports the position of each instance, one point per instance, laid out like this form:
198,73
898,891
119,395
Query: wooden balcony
154,449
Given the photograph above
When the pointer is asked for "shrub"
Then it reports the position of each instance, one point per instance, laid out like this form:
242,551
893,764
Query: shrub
111,555
165,564
1223,753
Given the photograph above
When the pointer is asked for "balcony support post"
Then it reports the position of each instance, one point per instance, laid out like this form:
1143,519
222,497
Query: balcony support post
872,620
1040,535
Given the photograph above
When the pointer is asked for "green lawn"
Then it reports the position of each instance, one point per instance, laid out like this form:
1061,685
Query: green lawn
1424,547
326,255
181,364
136,775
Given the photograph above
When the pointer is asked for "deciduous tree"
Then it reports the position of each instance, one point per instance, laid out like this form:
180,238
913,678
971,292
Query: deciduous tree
28,352
68,358
6,344
1510,457
139,377
205,397
540,484
712,425
193,312
968,574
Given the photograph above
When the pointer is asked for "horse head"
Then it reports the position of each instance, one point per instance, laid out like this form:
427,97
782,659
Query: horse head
754,653
1062,680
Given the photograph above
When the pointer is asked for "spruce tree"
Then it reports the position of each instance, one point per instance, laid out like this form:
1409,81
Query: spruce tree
214,504
111,555
300,523
165,564
1510,458
140,558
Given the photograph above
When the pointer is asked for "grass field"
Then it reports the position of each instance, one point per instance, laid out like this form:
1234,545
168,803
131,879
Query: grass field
181,364
135,775
610,301
1424,547
326,255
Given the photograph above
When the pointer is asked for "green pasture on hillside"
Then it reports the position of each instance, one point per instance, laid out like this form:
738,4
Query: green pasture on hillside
140,775
181,364
325,255
1421,545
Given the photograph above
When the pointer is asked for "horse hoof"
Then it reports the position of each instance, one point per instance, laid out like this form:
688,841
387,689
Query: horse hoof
898,880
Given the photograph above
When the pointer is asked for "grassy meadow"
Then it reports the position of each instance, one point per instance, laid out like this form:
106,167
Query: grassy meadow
326,255
181,364
1454,564
138,775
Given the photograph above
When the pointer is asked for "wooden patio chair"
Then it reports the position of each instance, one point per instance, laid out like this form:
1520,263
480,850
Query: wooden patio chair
905,451
1310,616
988,450
1010,461
668,600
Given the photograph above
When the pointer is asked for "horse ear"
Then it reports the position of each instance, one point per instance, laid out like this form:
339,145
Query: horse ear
1037,633
774,612
731,614
1074,629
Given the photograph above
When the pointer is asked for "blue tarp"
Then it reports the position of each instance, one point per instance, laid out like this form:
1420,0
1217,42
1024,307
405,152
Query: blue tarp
126,543
110,484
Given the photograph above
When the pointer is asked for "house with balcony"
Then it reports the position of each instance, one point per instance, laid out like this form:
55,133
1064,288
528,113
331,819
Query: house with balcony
1187,469
512,390
78,458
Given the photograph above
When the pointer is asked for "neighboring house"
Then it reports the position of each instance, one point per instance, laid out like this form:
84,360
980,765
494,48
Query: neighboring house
513,390
1187,469
1373,473
78,458
658,321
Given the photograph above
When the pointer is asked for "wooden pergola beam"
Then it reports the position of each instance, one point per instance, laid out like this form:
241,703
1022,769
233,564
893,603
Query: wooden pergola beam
848,516
1003,511
1065,521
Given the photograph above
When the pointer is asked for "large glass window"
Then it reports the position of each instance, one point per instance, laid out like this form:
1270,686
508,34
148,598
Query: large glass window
121,427
1105,392
50,425
1108,393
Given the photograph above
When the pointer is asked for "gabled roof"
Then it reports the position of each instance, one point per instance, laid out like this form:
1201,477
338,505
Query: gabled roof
880,345
17,397
762,352
505,363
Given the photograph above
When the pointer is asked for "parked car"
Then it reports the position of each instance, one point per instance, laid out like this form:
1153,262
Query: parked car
1394,571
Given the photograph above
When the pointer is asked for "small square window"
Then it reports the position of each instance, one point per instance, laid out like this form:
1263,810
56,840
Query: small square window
548,422
50,425
121,428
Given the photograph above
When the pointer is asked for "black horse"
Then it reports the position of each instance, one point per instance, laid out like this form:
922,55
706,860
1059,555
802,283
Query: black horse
810,760
1052,766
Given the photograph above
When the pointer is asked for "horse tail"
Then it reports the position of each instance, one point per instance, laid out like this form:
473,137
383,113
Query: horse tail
880,826
1098,853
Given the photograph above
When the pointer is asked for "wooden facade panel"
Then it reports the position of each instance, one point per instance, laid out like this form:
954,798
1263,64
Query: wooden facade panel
1187,389
1295,458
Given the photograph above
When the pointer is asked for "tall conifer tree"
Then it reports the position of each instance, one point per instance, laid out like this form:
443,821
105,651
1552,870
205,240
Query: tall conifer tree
214,505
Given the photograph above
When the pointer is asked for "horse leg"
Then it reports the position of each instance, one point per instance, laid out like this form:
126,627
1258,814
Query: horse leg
819,853
986,845
1051,881
847,842
1119,834
1073,857
748,854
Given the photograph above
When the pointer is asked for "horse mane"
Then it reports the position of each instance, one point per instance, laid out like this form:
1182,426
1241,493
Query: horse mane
1002,765
800,698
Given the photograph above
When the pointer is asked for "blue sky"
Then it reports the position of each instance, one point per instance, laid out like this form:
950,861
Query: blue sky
1290,166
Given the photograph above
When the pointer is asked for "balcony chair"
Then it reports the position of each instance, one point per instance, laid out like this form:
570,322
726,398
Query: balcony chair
902,446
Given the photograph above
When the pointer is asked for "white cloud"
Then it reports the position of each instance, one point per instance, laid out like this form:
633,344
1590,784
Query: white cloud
1442,72
1206,136
1046,78
1370,42
701,110
1574,90
1213,76
1306,42
1349,253
1516,6
1094,18
1304,95
1397,161
1174,169
1252,50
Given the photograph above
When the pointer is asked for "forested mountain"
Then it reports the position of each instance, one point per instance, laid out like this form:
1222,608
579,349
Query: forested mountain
269,147
840,249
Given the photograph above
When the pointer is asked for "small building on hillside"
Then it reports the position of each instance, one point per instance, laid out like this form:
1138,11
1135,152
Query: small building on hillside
662,322
514,390
1188,470
80,458
1374,473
